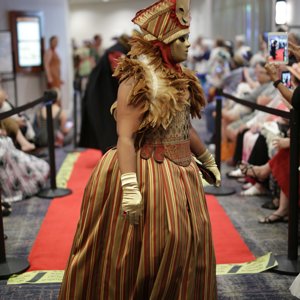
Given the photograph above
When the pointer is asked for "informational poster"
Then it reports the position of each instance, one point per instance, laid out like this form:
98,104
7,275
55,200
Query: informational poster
6,58
29,42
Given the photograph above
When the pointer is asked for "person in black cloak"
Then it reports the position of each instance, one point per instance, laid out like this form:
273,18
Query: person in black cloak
98,127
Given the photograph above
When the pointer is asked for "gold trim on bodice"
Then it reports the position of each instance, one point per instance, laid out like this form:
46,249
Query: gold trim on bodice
172,143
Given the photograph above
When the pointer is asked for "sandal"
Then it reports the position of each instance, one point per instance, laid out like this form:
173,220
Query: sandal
245,167
276,219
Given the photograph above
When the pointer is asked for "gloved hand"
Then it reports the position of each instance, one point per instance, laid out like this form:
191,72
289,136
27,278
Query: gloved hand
132,202
209,162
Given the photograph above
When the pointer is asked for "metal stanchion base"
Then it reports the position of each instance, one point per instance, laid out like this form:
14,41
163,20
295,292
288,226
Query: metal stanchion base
13,266
286,266
53,193
77,149
219,191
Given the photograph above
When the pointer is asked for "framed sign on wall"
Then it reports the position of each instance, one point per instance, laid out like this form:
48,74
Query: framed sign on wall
27,41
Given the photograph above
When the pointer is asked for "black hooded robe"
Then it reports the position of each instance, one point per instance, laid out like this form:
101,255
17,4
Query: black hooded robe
98,127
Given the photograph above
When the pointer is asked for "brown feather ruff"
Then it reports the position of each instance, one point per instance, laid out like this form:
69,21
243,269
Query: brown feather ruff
161,103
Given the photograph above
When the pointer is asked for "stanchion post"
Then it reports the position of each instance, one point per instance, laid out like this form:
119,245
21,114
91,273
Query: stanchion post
222,190
9,266
75,113
50,131
218,126
77,91
294,187
53,192
290,264
2,244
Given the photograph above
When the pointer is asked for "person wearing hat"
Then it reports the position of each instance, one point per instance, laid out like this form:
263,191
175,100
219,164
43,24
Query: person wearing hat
144,230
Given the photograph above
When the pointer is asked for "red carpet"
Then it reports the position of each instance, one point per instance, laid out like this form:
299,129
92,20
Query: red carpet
52,246
229,246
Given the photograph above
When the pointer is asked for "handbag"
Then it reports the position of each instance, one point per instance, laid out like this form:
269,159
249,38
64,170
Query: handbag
206,173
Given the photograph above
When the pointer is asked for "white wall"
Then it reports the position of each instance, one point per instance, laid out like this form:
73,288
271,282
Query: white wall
247,17
112,19
293,14
56,17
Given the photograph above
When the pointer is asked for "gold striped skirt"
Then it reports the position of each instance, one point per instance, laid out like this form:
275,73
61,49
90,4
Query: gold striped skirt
168,255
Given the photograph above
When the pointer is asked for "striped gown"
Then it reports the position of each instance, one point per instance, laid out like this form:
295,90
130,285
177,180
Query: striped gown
168,255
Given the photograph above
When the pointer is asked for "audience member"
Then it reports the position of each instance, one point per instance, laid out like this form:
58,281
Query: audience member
86,61
11,128
241,49
279,165
62,129
96,48
263,94
22,119
52,65
21,175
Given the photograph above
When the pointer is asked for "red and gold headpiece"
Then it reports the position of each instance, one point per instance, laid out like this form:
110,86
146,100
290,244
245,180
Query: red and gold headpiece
165,20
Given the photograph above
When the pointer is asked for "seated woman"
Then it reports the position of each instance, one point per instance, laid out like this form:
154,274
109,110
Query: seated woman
21,175
253,141
279,165
22,119
12,129
62,132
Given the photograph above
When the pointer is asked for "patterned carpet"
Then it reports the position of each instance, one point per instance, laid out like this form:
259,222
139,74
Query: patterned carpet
24,222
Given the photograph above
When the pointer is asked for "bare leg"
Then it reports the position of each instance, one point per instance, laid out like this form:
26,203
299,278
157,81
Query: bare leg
231,134
25,145
283,205
280,215
258,172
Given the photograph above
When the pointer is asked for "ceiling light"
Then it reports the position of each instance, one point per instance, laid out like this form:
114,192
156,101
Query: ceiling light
281,12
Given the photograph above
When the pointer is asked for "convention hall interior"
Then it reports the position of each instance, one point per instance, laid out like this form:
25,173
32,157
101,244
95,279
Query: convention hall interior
60,67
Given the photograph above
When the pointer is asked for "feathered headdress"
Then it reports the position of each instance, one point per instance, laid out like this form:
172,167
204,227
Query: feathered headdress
165,20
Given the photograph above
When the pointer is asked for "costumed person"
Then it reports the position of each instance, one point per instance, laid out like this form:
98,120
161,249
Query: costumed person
144,229
98,127
52,64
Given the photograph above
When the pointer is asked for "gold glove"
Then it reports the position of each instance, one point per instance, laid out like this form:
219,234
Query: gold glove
208,161
132,204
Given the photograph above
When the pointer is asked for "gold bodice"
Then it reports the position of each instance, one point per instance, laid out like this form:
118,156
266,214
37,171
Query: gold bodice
172,142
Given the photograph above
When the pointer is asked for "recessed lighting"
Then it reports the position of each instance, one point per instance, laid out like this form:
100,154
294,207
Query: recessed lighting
281,12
